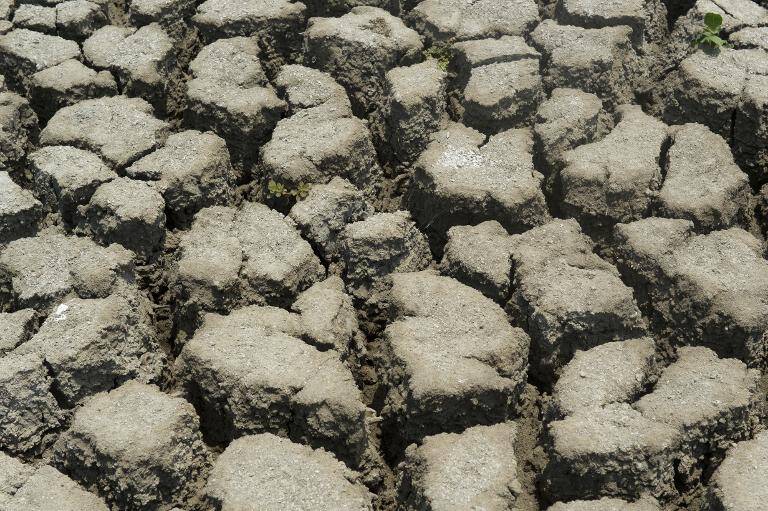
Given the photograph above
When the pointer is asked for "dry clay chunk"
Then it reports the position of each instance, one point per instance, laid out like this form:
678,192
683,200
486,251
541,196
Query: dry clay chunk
78,19
414,108
647,18
445,21
607,504
568,297
603,62
709,290
247,378
711,402
476,469
304,87
169,14
612,180
91,345
18,123
728,92
16,328
452,358
35,17
20,212
467,55
502,95
230,94
702,183
358,49
141,59
128,212
317,144
460,180
65,177
139,448
236,257
24,488
28,411
611,451
268,473
324,213
66,84
276,23
119,128
614,372
568,119
41,271
739,482
192,171
378,246
25,52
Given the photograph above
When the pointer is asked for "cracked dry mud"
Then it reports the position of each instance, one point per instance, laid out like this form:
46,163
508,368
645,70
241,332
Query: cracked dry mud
390,255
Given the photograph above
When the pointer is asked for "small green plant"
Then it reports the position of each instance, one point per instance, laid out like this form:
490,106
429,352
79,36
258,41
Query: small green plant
279,190
710,36
441,53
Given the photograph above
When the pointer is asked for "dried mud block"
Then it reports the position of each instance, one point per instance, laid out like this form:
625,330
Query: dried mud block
707,290
414,108
92,345
702,183
245,377
610,451
65,177
120,129
324,213
502,95
382,244
462,180
602,63
127,212
614,372
18,129
41,271
568,119
25,52
172,15
20,212
480,257
647,18
142,60
24,488
467,55
316,144
750,37
231,96
739,482
230,258
476,469
244,477
35,17
711,402
607,504
568,298
277,24
29,414
192,171
16,328
137,447
451,358
358,49
79,19
66,84
447,21
613,180
728,92
304,87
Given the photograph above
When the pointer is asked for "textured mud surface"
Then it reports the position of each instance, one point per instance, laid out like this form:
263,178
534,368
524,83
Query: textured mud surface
438,255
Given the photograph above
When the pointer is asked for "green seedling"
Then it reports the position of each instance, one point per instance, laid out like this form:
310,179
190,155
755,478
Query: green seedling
441,53
710,36
279,190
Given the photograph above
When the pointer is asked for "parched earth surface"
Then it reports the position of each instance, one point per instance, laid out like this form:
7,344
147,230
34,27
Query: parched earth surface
330,255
